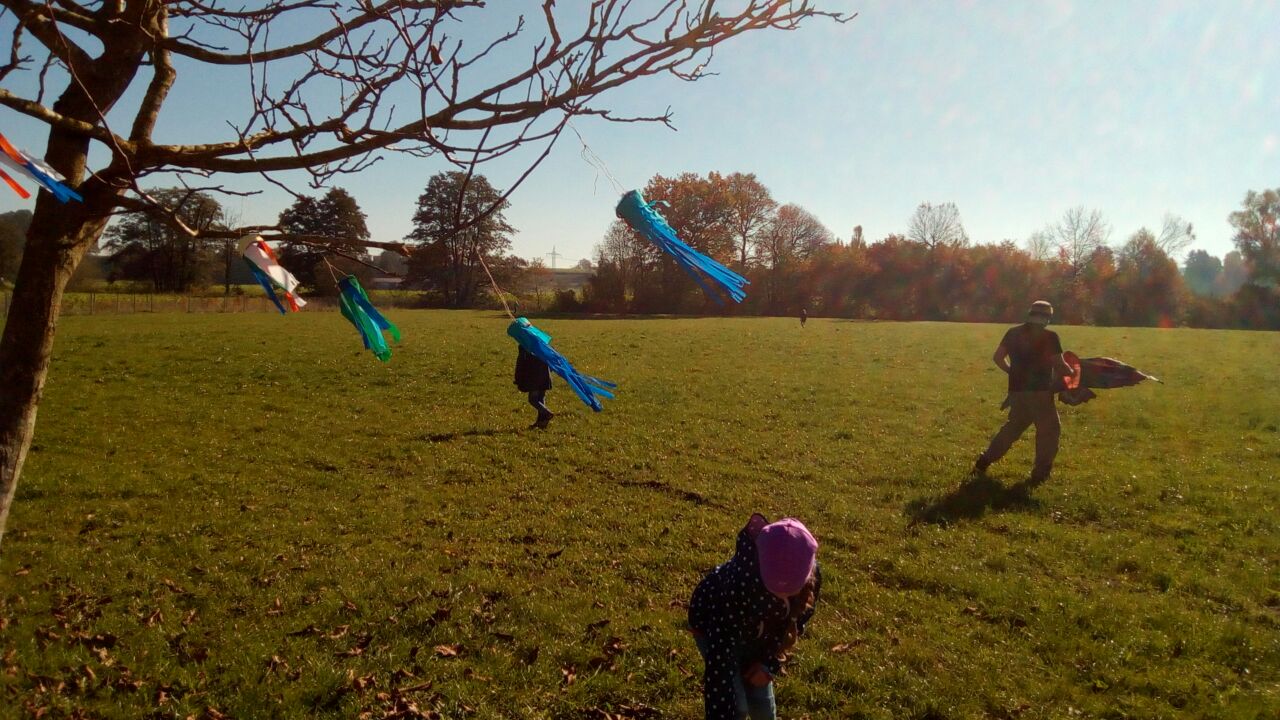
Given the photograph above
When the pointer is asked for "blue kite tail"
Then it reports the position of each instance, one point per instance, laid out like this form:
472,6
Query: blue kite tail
538,344
52,184
265,282
644,218
361,298
356,308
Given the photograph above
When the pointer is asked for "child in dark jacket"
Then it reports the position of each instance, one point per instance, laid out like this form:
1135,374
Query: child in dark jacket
747,613
534,377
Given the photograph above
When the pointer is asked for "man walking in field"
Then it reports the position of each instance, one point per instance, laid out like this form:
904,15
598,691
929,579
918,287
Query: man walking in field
1031,355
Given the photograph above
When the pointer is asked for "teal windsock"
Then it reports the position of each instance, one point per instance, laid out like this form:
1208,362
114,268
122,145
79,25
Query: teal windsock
370,323
644,218
538,344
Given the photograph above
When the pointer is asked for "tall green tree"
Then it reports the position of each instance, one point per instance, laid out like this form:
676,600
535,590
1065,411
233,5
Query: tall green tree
1257,239
1147,288
1201,272
333,221
1258,236
458,222
1234,274
149,249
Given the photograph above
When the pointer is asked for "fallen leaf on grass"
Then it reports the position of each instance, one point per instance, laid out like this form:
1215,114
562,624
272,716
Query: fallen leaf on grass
173,587
308,630
362,683
24,570
357,650
277,608
568,674
623,712
842,647
276,664
126,683
593,627
104,657
447,651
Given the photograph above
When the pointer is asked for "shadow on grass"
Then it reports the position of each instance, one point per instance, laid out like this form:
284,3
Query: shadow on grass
971,501
686,495
476,432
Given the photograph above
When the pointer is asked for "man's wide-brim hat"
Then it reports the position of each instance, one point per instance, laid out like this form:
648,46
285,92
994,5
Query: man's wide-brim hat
1041,312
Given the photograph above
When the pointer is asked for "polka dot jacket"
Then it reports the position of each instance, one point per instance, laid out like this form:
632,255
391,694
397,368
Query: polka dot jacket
742,623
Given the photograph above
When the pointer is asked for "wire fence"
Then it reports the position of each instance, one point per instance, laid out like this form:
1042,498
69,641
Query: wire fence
96,303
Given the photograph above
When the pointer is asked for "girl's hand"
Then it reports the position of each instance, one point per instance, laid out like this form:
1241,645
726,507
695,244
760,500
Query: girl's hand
757,676
789,640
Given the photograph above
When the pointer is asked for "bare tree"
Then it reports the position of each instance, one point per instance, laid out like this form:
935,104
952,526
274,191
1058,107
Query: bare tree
1040,244
328,103
1175,235
793,234
750,206
1079,234
937,226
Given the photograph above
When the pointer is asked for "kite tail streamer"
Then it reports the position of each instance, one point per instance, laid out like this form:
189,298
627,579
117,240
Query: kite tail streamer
294,301
265,282
13,184
270,273
538,343
644,218
355,306
42,174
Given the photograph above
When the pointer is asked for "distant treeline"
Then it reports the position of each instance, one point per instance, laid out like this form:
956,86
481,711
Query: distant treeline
933,271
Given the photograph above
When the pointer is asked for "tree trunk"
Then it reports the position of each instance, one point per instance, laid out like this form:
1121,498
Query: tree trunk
56,242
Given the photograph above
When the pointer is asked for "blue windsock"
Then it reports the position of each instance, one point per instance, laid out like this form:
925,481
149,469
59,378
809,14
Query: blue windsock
356,308
643,217
538,344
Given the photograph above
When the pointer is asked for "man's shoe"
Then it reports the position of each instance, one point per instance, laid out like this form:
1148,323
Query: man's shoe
979,468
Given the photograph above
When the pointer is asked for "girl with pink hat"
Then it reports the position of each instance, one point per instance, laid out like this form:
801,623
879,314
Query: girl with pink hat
746,614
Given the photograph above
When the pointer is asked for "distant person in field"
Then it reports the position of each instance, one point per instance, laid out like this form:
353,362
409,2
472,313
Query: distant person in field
1031,355
746,615
534,377
804,316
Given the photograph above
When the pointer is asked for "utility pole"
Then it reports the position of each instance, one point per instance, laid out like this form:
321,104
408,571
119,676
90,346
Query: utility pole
554,256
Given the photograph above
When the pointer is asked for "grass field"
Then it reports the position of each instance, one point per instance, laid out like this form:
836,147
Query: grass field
246,516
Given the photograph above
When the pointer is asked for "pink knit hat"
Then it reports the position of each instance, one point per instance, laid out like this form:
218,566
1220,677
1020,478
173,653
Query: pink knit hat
787,551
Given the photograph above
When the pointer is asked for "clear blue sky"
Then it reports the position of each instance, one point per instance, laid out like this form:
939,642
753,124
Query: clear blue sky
1013,111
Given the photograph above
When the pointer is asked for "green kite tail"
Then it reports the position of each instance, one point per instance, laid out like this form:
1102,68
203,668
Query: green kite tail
355,306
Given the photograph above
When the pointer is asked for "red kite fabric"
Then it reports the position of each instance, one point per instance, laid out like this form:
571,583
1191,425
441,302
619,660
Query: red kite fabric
1101,373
